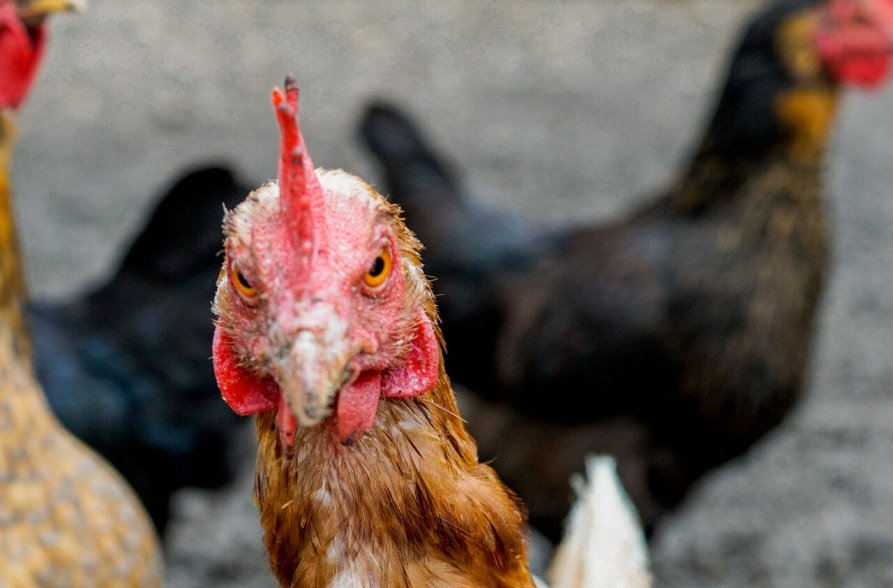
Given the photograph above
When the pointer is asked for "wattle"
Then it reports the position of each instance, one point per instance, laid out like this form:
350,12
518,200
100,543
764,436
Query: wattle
356,406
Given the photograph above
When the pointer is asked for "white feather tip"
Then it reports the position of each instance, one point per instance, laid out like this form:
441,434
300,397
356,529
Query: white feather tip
604,545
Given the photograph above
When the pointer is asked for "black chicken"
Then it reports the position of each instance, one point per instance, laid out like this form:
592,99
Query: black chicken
126,367
678,336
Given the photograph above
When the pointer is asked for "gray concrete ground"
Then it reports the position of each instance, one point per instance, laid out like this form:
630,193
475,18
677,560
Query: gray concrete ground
564,110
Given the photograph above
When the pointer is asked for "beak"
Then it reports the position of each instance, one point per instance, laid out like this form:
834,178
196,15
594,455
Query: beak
35,9
311,365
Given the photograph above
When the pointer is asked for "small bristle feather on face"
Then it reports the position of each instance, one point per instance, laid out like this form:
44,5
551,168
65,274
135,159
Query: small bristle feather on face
322,305
855,40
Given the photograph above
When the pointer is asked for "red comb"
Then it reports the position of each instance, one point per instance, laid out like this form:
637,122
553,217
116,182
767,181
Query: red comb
881,10
300,194
20,55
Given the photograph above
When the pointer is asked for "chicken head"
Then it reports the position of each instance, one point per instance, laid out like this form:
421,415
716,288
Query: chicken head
855,40
319,300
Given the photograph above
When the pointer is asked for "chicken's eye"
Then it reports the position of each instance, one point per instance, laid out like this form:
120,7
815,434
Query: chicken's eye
380,270
241,283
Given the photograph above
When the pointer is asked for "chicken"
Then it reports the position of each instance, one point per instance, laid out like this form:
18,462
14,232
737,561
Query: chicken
66,518
125,367
680,334
327,330
325,320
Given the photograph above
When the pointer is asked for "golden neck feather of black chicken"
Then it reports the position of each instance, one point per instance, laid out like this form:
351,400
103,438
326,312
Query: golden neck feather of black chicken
406,503
805,108
12,282
777,110
715,176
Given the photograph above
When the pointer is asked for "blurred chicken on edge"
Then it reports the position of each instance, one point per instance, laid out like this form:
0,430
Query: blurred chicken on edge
678,336
66,518
366,474
125,367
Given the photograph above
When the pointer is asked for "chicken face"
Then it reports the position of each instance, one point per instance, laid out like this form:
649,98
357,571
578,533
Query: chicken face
855,40
318,301
22,41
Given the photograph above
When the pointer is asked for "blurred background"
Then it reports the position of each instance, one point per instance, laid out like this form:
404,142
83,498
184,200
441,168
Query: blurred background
563,110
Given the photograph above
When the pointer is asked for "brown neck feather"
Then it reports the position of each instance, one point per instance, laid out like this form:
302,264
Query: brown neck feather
408,502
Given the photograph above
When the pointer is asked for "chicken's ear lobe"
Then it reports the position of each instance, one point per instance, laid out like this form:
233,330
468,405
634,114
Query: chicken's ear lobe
244,392
419,372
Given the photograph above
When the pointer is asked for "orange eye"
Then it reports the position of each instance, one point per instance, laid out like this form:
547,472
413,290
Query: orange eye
241,283
380,270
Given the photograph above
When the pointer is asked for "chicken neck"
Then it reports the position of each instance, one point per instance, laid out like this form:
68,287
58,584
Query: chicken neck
12,283
65,516
406,503
24,415
722,171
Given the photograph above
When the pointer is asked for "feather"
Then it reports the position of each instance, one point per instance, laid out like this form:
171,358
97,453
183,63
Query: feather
604,546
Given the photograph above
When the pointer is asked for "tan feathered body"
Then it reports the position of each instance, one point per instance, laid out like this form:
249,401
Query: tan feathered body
66,518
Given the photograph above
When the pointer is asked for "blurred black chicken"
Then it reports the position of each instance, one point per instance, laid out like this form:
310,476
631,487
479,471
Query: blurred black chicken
678,336
126,366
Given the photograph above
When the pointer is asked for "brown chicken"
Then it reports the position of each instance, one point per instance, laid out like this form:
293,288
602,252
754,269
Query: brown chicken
326,321
678,335
66,518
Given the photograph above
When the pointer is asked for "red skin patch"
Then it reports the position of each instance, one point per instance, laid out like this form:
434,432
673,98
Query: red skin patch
357,402
287,424
356,407
419,374
20,55
857,41
244,392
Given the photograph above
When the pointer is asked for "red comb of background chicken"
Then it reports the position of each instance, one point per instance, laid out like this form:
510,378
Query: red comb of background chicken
856,41
20,54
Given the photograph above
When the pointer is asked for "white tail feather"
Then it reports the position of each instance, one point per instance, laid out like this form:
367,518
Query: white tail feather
603,545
